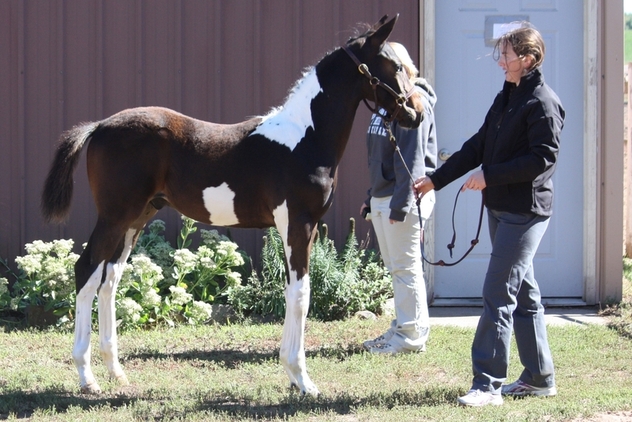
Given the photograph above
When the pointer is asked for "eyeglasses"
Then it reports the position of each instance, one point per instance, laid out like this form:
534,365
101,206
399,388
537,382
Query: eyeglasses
503,58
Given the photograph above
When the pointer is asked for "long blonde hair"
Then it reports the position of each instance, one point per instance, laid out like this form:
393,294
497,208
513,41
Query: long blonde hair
407,62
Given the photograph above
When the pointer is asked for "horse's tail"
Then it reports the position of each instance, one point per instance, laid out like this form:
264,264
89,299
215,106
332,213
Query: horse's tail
58,187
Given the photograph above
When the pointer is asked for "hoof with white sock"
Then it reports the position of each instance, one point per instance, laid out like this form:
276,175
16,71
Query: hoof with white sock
91,389
121,379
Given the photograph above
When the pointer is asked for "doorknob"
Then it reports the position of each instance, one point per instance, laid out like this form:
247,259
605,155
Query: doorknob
444,154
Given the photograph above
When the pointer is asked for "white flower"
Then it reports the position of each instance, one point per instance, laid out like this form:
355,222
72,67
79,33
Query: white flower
3,286
129,310
30,264
179,296
150,299
229,250
38,247
184,260
148,272
62,247
200,311
233,278
14,303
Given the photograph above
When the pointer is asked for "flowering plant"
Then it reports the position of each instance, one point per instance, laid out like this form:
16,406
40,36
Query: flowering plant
160,284
46,277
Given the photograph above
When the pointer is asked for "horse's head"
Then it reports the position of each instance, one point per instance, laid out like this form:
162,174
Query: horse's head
385,81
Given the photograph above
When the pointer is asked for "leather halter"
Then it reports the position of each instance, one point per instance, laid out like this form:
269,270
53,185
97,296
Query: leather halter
400,99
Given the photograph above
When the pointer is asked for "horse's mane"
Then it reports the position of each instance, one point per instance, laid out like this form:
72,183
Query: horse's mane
368,30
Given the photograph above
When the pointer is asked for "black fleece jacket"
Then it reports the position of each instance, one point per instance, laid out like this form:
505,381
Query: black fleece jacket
517,147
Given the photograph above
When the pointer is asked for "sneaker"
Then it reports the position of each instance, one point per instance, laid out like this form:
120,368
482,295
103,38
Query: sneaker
389,349
480,398
377,341
520,389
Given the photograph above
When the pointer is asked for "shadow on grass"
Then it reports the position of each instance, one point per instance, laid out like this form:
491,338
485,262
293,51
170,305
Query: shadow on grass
23,404
241,407
233,358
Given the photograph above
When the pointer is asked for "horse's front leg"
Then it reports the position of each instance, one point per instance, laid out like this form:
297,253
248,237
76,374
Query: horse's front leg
297,289
108,342
292,353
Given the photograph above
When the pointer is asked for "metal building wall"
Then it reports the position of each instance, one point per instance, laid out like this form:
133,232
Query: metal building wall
65,62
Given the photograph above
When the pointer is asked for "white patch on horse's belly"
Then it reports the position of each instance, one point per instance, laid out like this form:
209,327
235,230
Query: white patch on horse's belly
220,203
287,125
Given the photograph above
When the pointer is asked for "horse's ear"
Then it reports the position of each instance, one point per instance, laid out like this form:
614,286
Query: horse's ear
380,22
380,35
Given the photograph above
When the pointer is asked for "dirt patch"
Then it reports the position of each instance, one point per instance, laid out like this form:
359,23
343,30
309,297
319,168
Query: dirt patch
607,417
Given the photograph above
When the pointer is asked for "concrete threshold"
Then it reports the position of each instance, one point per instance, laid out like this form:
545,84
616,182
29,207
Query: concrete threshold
467,316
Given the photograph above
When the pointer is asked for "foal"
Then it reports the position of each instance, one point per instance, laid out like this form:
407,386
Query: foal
276,170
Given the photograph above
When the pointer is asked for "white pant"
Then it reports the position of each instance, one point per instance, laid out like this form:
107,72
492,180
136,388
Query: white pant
401,251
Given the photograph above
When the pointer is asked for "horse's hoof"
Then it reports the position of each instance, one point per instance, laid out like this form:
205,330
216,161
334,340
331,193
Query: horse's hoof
310,390
91,389
122,380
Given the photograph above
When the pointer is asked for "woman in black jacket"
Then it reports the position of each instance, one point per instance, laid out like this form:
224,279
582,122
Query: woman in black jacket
517,148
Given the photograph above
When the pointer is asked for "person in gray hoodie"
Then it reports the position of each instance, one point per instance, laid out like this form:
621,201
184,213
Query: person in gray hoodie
395,217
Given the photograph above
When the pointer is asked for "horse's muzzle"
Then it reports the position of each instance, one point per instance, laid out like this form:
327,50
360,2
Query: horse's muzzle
410,118
412,113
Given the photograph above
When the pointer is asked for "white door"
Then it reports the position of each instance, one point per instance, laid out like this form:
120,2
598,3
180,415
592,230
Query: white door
467,80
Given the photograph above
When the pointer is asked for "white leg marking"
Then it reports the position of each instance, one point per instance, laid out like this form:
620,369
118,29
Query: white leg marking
219,201
292,354
108,341
83,322
287,124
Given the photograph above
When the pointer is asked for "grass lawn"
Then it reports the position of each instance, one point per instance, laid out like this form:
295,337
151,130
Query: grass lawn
230,373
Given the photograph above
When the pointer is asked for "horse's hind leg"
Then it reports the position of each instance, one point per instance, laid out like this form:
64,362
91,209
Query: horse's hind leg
90,273
108,343
99,269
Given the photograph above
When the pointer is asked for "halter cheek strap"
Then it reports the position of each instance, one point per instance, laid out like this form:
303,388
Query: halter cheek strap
400,99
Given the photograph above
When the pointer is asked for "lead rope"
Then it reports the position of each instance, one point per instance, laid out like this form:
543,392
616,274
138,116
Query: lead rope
450,246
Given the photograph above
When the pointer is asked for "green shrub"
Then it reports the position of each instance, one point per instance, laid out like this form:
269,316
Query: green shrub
166,285
160,284
341,283
46,278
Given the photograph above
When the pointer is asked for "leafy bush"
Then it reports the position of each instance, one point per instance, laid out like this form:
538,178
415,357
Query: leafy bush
166,285
46,278
341,283
160,284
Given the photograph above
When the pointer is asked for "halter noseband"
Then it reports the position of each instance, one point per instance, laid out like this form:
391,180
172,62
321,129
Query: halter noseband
400,99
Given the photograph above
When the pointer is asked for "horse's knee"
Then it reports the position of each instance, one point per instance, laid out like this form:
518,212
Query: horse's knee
297,295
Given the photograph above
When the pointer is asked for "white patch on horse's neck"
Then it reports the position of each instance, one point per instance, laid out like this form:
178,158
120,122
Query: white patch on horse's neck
288,123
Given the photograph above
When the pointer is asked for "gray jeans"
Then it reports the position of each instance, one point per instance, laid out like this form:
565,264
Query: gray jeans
511,299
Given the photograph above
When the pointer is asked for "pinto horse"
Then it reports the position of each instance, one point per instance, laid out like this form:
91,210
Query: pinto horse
273,170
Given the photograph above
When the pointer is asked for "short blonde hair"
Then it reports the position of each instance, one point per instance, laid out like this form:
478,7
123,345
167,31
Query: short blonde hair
407,62
525,41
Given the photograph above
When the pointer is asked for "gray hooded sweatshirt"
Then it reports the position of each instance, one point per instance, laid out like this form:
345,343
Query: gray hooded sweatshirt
387,173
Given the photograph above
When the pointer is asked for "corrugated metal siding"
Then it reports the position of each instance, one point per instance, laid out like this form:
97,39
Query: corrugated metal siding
64,62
